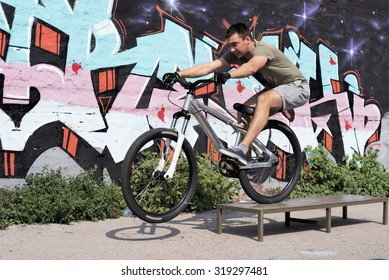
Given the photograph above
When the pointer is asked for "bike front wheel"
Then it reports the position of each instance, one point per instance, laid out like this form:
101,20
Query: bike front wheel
148,193
273,184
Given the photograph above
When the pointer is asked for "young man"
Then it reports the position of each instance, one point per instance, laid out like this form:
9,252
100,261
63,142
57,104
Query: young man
285,85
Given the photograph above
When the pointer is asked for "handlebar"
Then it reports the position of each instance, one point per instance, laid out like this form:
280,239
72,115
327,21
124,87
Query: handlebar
192,85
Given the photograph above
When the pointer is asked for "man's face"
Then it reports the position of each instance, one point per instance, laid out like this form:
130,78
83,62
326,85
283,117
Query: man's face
238,46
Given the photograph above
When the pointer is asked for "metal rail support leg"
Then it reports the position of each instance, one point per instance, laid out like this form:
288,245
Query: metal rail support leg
219,220
260,226
344,212
287,219
328,220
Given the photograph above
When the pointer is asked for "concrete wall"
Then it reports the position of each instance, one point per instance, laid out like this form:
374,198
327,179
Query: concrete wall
80,80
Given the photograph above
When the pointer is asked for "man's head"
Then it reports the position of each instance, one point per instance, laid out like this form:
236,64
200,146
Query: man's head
239,39
239,28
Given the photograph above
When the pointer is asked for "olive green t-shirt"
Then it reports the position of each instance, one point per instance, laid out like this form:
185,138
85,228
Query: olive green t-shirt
279,70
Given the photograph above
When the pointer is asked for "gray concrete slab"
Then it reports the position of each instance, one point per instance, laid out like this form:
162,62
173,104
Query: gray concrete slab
193,237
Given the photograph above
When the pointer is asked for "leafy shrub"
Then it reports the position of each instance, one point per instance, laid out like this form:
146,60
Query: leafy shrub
212,187
51,198
360,175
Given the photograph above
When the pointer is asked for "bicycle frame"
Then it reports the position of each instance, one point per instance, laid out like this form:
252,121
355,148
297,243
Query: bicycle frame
198,110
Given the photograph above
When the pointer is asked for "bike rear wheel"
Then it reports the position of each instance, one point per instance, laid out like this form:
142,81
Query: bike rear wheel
274,184
147,193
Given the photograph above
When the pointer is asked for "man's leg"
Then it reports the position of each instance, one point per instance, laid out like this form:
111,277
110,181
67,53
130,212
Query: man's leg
269,100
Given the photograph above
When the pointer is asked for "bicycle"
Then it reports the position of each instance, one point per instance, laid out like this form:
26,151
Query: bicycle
159,171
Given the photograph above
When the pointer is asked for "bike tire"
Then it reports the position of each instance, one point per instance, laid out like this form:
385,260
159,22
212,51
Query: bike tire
274,184
147,193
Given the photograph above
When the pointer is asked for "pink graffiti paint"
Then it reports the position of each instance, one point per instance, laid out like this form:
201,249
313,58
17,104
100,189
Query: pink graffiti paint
76,67
240,87
161,114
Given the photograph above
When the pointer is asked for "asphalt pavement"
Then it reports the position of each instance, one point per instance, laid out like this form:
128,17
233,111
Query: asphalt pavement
362,236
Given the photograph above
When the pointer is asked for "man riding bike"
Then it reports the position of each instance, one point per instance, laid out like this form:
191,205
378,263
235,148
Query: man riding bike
285,86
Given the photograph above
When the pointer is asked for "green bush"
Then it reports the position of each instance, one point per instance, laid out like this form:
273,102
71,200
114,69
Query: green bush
50,197
360,175
212,187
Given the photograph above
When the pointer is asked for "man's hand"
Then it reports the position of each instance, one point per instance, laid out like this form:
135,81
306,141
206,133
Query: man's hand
169,79
221,78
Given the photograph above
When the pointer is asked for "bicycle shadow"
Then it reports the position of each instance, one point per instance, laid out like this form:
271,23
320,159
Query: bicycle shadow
188,222
143,232
234,223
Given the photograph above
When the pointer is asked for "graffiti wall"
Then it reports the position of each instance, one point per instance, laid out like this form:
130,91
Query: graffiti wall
80,79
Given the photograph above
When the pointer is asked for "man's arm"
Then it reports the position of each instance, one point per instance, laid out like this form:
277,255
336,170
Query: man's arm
203,69
250,67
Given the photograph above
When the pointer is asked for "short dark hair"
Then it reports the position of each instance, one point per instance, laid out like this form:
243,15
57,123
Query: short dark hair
241,29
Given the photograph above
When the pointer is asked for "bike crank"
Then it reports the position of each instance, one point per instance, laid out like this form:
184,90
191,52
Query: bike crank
228,167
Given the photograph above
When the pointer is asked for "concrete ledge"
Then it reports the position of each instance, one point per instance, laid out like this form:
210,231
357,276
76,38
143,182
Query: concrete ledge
301,204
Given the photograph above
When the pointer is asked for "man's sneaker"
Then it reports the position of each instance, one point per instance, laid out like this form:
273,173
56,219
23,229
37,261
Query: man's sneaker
236,153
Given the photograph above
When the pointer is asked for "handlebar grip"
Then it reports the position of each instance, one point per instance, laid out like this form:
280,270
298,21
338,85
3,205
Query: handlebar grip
192,86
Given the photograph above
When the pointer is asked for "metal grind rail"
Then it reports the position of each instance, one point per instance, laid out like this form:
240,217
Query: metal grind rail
301,204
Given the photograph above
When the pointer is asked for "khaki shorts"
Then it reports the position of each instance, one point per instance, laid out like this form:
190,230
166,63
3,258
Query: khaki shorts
293,95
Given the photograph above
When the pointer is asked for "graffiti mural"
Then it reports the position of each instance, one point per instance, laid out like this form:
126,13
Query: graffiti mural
84,79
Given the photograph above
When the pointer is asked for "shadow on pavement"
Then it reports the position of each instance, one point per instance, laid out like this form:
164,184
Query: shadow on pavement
235,223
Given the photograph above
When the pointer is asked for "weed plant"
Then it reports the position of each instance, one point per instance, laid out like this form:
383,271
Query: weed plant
359,175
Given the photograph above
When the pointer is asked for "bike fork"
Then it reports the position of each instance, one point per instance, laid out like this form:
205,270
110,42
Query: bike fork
177,148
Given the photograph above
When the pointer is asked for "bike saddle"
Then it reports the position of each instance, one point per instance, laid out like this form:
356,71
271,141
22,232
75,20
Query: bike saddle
244,109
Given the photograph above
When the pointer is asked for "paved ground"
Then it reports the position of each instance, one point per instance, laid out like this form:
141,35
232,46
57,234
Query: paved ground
361,237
